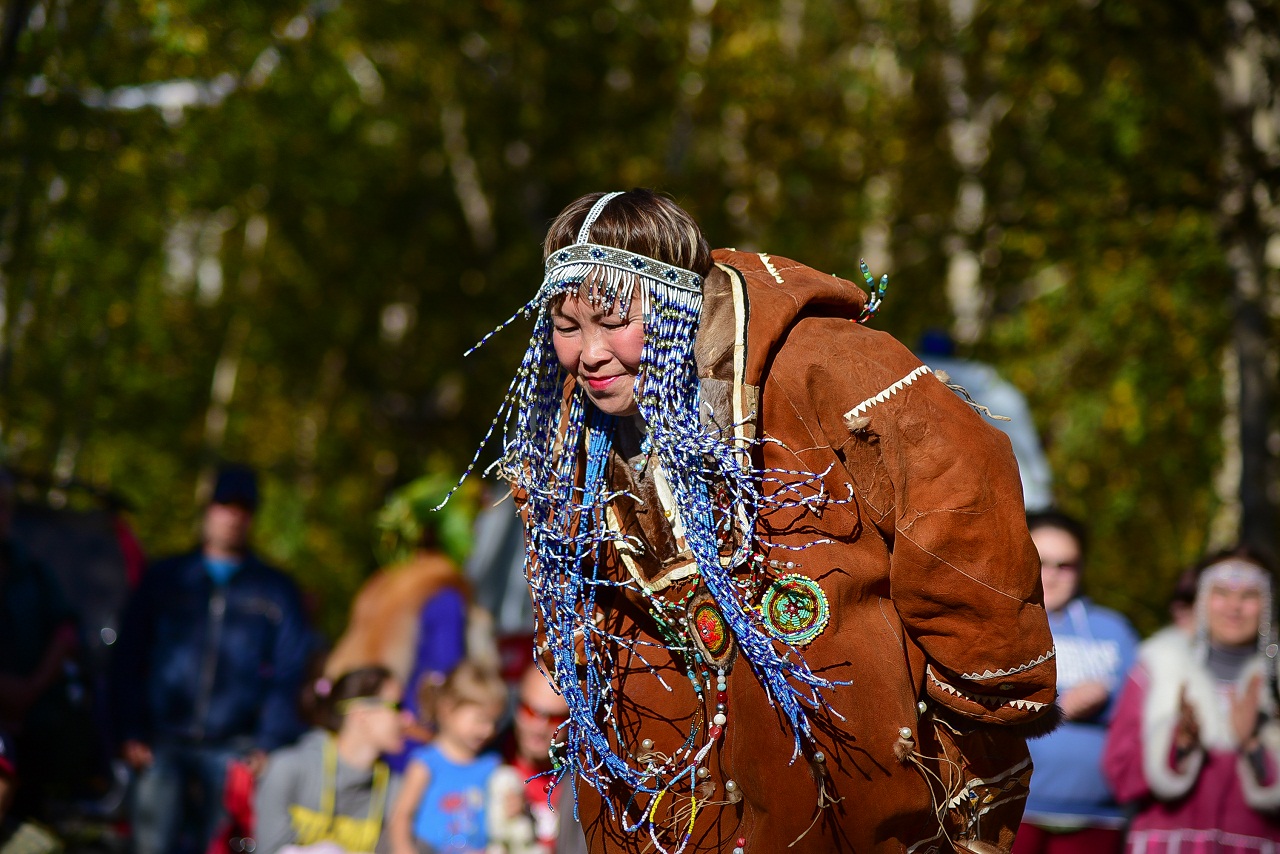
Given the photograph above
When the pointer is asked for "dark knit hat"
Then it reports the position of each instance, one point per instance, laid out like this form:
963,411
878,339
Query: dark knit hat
236,484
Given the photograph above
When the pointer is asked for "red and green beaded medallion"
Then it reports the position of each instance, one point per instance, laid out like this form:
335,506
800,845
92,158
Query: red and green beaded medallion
795,609
710,631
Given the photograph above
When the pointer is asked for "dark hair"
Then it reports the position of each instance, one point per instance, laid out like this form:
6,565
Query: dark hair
1062,522
236,484
352,685
1238,552
640,221
1184,588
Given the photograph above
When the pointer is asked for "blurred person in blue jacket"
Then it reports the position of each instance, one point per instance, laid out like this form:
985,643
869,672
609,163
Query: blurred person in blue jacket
211,657
1070,809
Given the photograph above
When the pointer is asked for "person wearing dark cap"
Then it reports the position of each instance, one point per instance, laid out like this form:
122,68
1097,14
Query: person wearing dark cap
210,660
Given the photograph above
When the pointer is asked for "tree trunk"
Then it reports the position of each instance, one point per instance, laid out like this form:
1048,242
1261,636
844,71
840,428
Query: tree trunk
971,118
15,20
1248,212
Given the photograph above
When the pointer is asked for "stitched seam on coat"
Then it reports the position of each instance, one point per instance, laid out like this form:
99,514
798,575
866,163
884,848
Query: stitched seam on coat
795,452
909,539
887,622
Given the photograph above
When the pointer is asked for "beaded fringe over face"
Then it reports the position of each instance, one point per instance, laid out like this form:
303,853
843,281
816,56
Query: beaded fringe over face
567,531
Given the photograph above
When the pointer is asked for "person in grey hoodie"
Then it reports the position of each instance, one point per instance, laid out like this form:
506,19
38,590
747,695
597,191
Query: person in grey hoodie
331,790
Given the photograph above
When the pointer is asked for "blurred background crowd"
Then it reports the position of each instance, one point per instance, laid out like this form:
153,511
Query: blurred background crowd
268,231
208,713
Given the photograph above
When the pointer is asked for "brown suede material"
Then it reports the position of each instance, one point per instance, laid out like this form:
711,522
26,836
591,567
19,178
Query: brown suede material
383,629
933,585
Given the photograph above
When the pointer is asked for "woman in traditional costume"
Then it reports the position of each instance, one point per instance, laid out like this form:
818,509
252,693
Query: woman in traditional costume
1195,742
782,572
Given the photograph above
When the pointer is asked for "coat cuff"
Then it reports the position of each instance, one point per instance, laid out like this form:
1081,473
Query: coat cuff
1166,782
1262,795
1013,700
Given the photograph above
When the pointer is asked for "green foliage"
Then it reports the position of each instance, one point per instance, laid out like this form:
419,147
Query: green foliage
362,191
410,520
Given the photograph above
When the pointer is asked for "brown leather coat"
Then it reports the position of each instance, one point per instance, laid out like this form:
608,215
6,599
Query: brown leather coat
936,619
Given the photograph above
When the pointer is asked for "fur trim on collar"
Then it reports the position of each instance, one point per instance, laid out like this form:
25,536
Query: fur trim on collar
1175,668
1176,664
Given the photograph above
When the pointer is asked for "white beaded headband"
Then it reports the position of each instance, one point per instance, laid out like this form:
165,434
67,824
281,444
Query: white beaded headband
620,266
1234,573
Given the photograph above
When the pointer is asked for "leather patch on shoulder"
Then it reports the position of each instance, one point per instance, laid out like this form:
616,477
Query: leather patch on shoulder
717,332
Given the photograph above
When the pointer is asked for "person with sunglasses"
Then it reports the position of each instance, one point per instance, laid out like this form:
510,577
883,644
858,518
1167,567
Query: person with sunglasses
540,714
1070,807
332,791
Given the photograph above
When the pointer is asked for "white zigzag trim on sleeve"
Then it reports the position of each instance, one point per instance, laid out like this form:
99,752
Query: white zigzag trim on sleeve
888,392
987,701
995,674
773,271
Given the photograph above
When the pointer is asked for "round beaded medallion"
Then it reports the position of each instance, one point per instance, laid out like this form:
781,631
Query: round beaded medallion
796,609
711,629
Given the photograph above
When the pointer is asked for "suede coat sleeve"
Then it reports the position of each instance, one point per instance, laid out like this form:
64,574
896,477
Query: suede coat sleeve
942,489
939,485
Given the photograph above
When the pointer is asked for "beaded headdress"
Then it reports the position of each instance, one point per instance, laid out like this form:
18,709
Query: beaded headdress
543,458
1235,573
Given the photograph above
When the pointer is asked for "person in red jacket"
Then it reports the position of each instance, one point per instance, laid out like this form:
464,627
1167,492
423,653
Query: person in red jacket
1194,746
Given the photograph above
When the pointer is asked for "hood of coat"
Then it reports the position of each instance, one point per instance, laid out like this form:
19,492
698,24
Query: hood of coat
782,291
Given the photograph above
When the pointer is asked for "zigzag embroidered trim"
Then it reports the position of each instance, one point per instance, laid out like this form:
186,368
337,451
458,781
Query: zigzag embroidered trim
985,700
933,848
888,392
973,784
773,271
995,674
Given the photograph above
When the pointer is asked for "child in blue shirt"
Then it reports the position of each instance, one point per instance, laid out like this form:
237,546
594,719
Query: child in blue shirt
443,805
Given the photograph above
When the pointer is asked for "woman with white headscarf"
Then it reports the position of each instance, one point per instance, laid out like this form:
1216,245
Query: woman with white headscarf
1195,743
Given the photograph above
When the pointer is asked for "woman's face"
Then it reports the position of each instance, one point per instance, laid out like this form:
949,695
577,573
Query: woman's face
380,718
1235,614
1059,566
601,349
